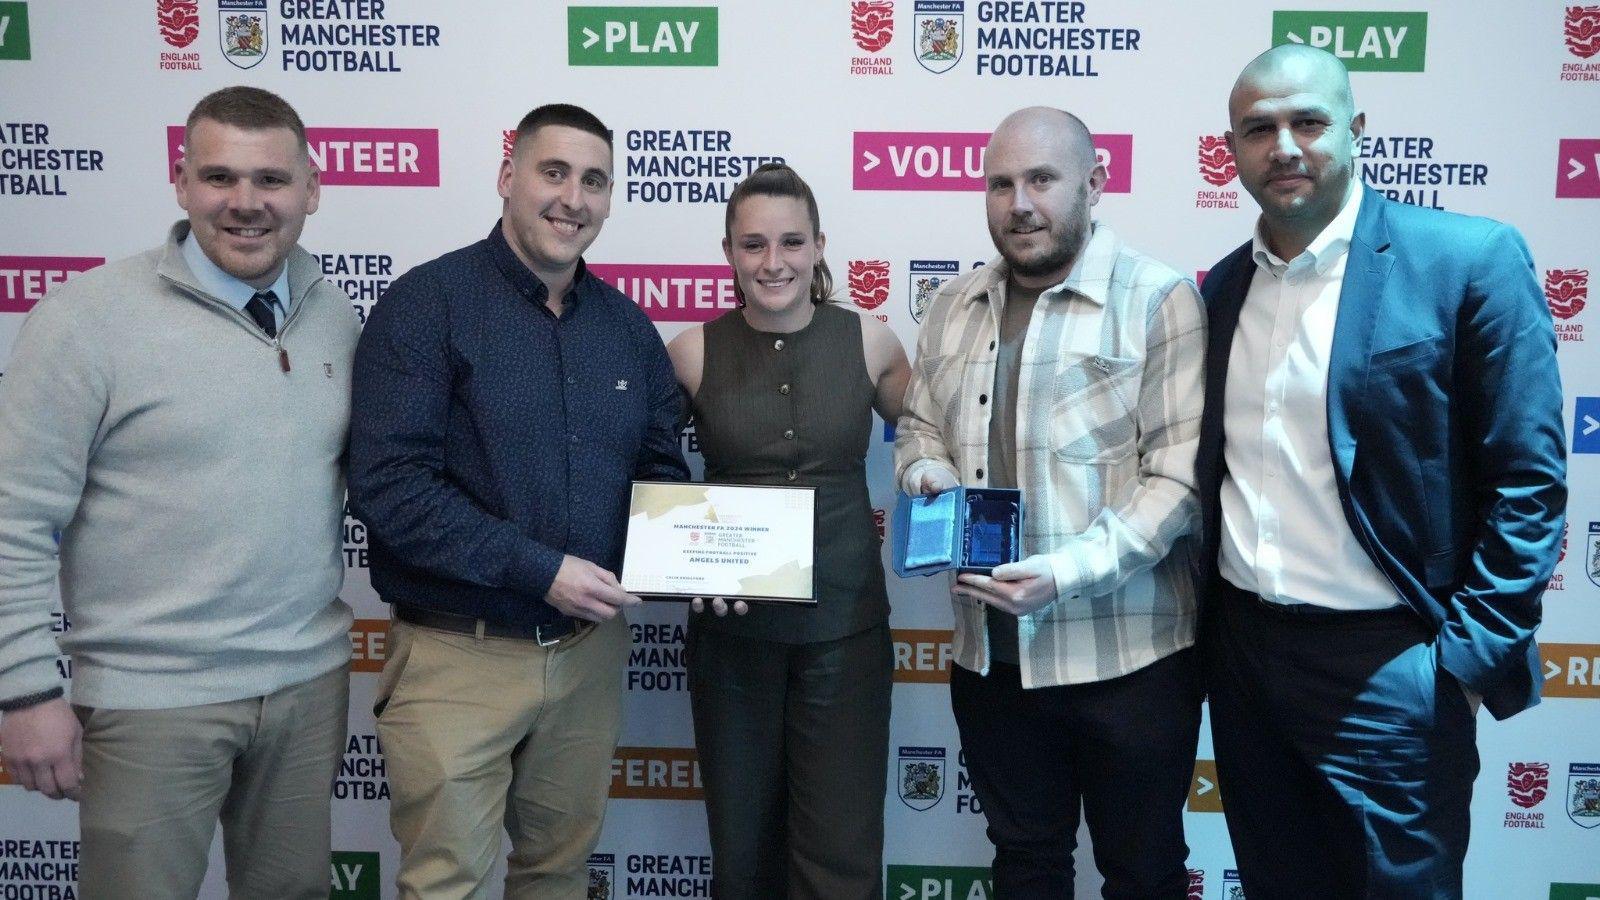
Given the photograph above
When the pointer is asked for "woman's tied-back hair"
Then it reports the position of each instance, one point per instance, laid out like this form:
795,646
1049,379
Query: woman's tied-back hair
778,180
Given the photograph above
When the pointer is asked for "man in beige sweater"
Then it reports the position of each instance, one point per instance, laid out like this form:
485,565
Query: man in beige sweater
178,419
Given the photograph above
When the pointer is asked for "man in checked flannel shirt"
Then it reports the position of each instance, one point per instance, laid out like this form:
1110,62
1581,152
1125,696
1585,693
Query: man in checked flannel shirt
1071,368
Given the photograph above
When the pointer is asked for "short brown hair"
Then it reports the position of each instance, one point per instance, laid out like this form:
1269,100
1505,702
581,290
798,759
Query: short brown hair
246,107
776,179
564,114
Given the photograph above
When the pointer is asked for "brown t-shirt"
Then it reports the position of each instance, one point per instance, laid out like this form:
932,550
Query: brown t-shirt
1018,309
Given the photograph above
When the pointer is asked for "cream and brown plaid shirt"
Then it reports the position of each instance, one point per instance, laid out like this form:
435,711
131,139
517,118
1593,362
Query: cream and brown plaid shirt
1108,418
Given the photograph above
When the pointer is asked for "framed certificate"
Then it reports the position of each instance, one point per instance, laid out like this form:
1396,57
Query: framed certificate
740,542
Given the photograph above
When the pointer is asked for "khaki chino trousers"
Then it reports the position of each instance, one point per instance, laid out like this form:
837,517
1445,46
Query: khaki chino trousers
155,782
482,732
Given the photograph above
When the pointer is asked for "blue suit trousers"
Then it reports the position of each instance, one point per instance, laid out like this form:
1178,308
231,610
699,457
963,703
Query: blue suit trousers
1345,752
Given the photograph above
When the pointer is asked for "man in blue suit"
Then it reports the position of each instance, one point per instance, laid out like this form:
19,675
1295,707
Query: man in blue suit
1383,484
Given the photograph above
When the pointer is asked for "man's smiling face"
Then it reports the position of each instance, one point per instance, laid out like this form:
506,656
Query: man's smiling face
247,192
557,188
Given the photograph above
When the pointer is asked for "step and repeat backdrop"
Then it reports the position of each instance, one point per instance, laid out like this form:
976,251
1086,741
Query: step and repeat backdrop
884,106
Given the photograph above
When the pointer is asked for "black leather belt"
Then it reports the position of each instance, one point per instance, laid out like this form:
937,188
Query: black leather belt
1306,612
543,635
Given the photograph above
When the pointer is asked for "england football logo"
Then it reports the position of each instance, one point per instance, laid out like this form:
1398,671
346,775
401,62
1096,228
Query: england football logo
869,282
1583,794
939,34
1582,30
243,27
179,21
921,778
1216,160
1566,291
872,24
1527,783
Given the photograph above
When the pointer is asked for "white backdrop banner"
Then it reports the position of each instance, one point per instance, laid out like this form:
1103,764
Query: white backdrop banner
884,106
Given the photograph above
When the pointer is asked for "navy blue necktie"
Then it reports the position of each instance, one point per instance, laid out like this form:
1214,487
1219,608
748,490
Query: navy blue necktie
260,309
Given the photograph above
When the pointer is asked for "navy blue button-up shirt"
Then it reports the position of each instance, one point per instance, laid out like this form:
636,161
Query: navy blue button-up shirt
489,437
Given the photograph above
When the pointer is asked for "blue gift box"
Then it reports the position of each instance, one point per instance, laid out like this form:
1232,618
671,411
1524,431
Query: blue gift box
968,529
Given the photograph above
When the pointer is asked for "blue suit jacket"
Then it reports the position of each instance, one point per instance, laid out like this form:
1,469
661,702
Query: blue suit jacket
1444,423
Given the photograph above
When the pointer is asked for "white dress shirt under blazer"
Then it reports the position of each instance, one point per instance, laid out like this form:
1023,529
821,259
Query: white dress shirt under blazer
1284,534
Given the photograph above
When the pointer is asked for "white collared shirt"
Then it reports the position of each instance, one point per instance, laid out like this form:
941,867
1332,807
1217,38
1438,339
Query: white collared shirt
230,290
1284,532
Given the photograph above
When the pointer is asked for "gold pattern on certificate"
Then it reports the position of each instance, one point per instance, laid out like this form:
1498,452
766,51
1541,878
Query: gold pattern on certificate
721,540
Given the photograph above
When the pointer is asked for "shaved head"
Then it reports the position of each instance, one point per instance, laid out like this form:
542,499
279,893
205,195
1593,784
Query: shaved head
1043,125
1305,69
1295,134
1040,179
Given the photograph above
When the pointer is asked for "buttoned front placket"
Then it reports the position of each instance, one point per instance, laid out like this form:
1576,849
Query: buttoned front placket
1274,438
783,363
566,331
983,376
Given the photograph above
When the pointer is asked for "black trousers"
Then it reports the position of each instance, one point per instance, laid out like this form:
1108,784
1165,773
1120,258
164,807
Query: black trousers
793,741
1121,750
1345,754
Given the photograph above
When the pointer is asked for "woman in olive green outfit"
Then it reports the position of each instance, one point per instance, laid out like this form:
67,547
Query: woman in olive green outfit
791,704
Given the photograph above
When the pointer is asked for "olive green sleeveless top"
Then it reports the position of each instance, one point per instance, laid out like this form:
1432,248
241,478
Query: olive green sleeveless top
796,409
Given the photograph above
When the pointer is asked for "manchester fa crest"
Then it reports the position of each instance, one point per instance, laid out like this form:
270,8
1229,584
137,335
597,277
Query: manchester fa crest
939,34
927,276
1232,888
602,876
1591,554
1583,794
243,28
921,776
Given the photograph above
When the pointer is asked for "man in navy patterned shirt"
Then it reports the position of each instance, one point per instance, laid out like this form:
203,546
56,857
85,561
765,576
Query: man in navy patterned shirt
504,398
